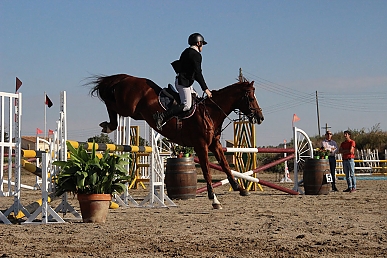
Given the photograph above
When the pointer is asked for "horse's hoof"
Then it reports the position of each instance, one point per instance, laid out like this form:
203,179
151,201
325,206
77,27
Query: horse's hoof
103,124
217,206
244,192
105,127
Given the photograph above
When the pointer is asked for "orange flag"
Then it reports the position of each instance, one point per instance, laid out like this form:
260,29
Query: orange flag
295,119
50,132
38,131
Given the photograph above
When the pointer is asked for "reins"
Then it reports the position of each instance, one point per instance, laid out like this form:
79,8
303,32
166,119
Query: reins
227,116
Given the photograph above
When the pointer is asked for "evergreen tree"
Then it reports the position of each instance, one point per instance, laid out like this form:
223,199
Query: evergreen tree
102,138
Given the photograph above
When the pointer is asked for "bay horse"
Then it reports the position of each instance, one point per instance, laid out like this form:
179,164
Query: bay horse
137,98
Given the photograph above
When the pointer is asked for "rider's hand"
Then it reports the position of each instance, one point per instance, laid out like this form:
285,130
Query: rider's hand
208,92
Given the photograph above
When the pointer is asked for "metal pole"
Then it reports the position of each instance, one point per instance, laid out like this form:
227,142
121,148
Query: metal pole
318,115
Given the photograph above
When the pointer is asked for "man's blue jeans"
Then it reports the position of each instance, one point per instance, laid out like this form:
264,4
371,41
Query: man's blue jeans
349,171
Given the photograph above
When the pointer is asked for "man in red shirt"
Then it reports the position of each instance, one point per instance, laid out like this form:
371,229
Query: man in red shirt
347,149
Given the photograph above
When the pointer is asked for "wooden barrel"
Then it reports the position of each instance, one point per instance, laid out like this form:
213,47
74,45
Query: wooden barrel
315,181
181,178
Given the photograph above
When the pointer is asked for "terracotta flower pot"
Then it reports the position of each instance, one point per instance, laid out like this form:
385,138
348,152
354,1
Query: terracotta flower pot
94,207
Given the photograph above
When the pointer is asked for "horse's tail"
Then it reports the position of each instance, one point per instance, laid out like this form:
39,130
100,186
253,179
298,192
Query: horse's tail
104,86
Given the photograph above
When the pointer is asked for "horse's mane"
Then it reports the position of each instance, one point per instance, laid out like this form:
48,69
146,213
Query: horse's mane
222,91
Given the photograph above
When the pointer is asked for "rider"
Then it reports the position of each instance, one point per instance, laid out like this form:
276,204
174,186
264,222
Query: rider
188,69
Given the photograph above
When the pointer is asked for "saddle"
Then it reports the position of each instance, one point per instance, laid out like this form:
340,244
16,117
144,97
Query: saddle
169,97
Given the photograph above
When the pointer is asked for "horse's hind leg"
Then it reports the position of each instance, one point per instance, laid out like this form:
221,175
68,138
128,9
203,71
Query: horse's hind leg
216,149
112,125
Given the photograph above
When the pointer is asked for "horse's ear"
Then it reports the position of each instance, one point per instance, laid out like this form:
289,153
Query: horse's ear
252,83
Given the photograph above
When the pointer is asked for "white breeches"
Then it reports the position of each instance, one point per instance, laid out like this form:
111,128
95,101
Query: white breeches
185,94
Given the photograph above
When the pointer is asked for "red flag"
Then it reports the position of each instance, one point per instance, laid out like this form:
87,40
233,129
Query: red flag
48,101
50,132
18,84
38,131
295,118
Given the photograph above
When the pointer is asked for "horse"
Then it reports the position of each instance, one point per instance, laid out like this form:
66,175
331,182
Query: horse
137,98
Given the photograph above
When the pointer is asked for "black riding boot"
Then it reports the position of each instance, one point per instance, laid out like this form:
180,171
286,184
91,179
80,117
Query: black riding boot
161,118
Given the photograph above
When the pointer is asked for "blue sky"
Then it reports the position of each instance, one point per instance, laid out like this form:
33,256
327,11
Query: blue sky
291,49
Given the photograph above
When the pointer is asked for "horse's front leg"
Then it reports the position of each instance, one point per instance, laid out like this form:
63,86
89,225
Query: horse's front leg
216,149
112,125
203,161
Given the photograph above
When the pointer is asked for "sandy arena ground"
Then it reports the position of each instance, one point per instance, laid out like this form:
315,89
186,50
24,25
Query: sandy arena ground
264,224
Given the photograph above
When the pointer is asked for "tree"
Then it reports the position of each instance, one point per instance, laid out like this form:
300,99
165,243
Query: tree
102,138
143,142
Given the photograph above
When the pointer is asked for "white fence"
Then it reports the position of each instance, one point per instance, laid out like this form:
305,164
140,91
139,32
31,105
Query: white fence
366,162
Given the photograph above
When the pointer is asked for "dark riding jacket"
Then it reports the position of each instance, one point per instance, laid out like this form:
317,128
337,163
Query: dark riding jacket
191,68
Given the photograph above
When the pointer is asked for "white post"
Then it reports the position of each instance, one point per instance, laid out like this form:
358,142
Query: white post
11,127
286,177
122,137
45,123
45,209
14,119
64,207
156,196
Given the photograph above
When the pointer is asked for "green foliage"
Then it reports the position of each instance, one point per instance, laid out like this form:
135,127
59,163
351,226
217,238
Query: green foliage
320,152
177,149
102,138
85,173
143,142
372,138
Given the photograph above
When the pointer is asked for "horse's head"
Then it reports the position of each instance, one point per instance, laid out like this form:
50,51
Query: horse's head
248,104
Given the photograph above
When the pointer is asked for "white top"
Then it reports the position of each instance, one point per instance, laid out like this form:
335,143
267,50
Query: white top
331,146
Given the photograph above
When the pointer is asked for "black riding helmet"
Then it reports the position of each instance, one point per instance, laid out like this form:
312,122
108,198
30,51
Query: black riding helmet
195,38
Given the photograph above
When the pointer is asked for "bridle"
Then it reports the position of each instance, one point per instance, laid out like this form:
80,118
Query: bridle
249,102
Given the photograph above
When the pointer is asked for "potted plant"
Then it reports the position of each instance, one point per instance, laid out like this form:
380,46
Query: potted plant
182,151
92,177
324,153
320,153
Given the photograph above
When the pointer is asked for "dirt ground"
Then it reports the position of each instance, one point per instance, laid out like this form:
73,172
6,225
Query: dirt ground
264,224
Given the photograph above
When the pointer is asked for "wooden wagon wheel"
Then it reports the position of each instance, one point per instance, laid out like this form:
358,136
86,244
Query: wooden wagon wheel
303,151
